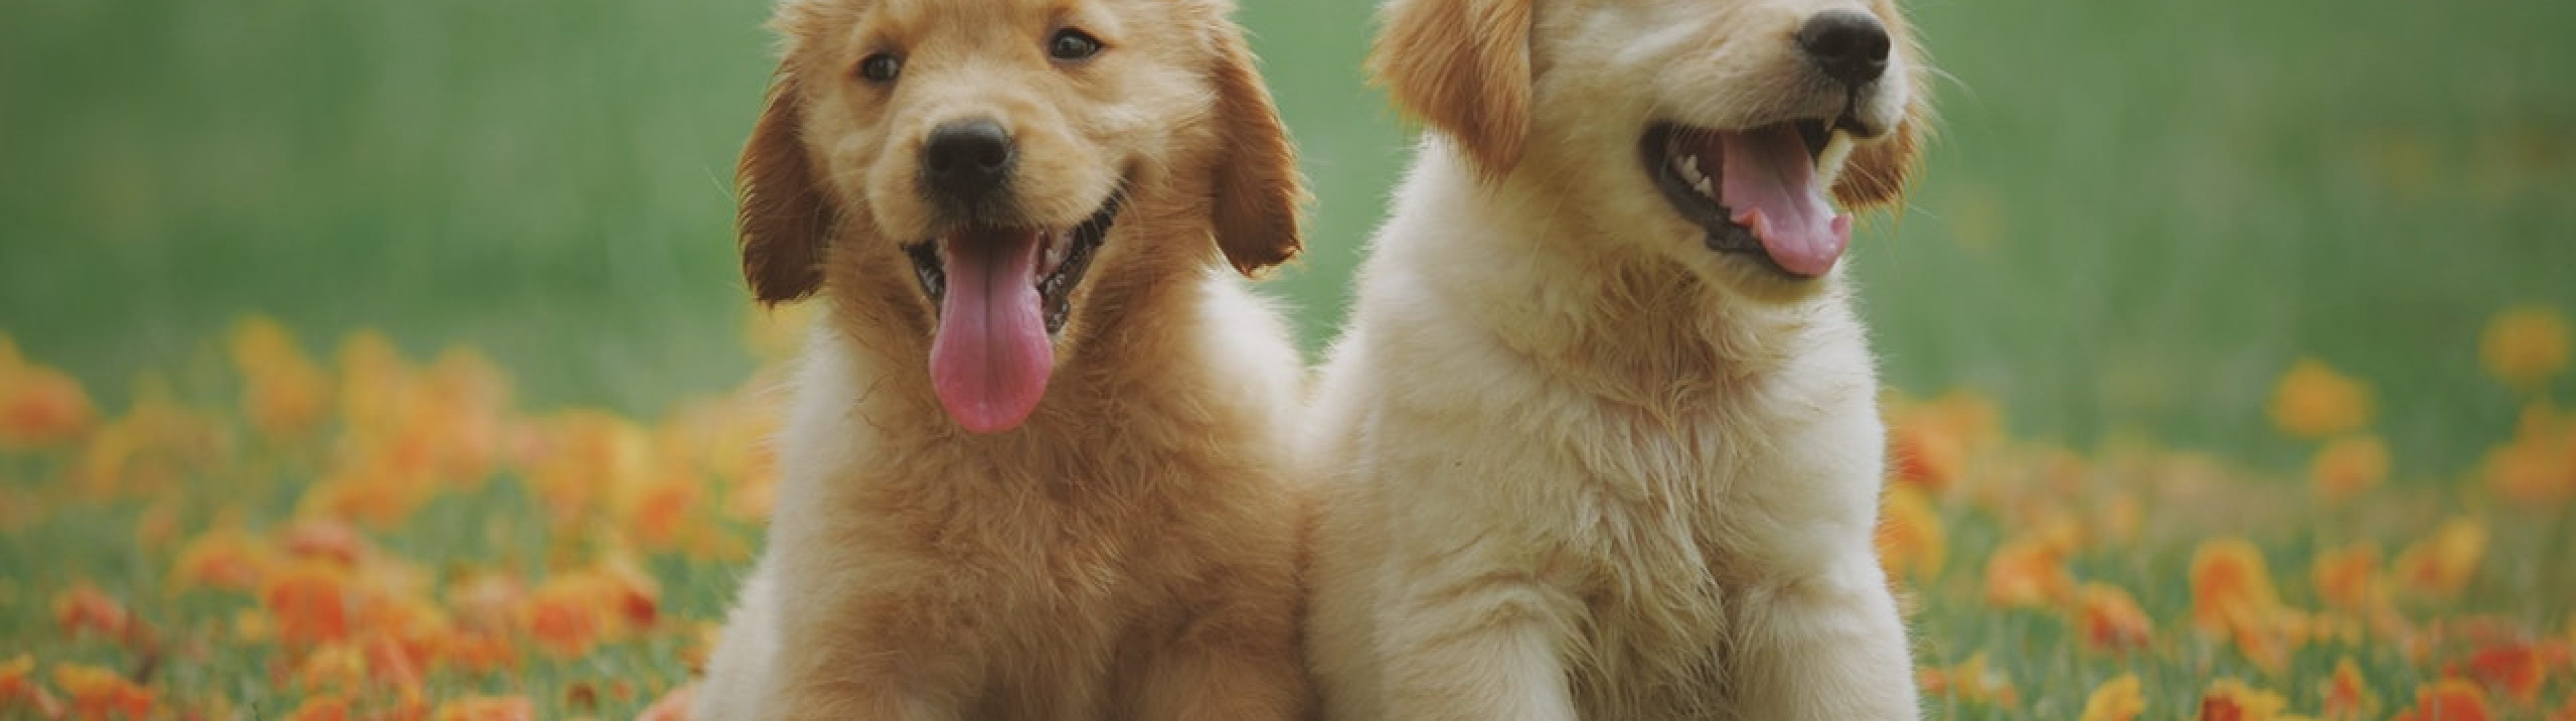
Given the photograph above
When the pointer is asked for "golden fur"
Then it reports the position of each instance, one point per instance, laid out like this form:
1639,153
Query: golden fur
1128,552
1578,465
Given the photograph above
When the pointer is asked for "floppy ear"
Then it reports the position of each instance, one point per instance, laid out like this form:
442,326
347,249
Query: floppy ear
1463,66
1876,172
784,218
1257,190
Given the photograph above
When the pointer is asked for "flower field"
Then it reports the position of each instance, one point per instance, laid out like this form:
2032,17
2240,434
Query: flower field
333,529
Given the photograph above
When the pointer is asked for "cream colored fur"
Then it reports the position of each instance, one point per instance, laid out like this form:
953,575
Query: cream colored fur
1578,465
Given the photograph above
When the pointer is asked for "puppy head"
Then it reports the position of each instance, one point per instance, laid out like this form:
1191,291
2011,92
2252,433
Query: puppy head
987,149
1718,127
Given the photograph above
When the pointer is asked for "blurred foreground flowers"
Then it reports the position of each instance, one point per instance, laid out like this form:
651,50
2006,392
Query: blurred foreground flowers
365,534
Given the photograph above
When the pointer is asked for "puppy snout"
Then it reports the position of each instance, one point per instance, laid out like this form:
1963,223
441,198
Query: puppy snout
1850,46
966,161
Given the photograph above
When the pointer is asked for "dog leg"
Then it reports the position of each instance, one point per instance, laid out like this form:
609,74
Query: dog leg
890,652
1220,672
1830,647
1476,654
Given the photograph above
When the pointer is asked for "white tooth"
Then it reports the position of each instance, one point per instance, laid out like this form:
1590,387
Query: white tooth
1705,188
1829,163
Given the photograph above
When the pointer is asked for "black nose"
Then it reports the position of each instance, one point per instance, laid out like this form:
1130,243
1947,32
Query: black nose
967,160
1850,46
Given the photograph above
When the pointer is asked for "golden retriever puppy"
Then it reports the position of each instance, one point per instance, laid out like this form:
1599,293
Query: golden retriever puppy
1035,462
1601,438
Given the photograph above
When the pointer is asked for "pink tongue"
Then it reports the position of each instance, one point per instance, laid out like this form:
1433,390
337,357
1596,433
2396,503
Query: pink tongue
1770,183
990,359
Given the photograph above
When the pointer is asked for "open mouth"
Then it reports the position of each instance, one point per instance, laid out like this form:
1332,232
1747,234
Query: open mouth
1003,295
1757,191
1063,257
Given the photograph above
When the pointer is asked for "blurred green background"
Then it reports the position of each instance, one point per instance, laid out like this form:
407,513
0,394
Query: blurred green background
2136,214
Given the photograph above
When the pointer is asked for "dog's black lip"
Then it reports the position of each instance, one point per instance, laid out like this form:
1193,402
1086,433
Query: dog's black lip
1723,234
1054,290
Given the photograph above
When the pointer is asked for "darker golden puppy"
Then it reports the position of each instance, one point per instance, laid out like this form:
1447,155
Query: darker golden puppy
1033,466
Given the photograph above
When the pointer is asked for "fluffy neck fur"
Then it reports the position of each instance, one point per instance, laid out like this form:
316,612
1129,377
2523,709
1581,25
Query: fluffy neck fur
1584,299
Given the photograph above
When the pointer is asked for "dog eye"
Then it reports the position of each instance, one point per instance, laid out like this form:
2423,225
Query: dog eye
1070,45
880,68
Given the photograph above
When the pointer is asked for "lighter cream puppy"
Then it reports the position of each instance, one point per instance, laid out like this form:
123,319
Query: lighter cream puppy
1601,437
1035,466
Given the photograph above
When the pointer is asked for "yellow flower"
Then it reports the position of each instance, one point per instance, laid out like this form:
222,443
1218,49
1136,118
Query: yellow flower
2115,700
1910,537
2525,346
2314,401
2348,466
284,393
2441,564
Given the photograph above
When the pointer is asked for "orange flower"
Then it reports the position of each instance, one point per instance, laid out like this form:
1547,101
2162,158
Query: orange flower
2231,700
2441,564
2539,465
2028,572
2348,466
19,696
659,514
488,708
2232,597
1971,682
572,612
1925,455
2314,401
593,455
40,407
224,559
85,608
1910,538
326,540
2516,667
2115,700
2348,577
2347,697
284,393
2449,699
2525,346
98,693
2111,620
310,604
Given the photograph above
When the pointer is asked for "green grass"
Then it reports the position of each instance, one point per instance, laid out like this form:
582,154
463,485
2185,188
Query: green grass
2135,217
